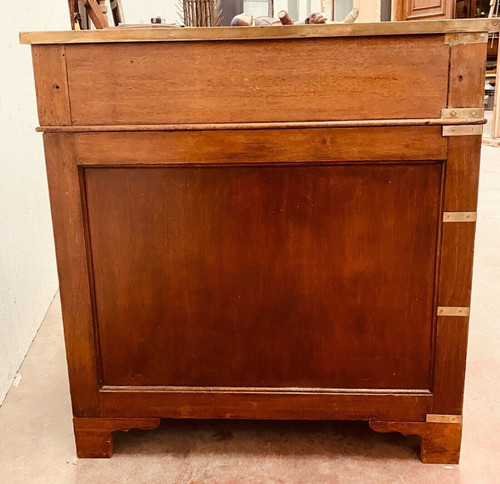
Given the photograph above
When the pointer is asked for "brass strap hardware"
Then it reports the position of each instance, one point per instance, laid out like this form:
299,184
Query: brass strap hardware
459,216
436,418
466,114
452,311
463,130
466,38
470,121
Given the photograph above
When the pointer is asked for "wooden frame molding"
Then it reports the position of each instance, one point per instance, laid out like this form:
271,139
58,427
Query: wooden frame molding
380,123
459,217
452,311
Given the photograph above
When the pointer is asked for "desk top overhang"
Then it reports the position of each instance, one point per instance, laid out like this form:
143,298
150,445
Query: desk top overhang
167,34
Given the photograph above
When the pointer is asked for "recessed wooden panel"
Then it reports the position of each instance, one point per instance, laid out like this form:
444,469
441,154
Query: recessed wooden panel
258,81
277,276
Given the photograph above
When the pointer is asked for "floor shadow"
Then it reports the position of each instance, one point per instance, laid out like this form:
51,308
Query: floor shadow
266,438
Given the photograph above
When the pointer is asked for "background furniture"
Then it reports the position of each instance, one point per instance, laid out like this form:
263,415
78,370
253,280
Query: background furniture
423,9
286,238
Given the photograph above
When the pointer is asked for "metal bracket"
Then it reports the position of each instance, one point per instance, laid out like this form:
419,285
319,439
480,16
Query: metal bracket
459,216
466,38
437,418
463,130
452,311
466,114
463,121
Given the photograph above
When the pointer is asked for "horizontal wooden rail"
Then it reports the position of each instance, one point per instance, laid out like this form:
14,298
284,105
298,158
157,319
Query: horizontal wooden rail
273,125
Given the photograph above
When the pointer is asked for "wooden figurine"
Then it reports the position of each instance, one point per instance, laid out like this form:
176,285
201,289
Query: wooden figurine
285,19
352,16
242,20
246,20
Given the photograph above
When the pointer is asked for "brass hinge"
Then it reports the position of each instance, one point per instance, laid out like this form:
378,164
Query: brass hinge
453,311
437,418
463,121
459,216
466,38
466,114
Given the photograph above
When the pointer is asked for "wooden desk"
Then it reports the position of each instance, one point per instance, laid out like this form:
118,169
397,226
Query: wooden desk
265,223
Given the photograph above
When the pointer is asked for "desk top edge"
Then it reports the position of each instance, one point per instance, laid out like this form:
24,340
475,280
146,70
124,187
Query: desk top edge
166,34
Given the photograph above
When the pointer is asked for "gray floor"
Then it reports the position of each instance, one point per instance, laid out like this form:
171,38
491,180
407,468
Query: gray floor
36,439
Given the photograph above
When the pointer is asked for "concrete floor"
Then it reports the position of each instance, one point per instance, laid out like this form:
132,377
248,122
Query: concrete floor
36,438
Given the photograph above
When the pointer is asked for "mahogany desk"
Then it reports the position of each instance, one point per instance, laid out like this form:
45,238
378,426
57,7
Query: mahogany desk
265,223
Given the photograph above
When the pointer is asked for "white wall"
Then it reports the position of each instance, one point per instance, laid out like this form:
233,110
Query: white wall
140,11
369,10
28,279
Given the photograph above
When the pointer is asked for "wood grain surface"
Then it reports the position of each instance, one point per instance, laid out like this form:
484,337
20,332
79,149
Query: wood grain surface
51,84
191,83
260,255
262,146
462,174
451,353
466,76
255,403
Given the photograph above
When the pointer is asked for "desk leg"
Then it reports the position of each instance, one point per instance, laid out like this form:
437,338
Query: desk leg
94,436
439,442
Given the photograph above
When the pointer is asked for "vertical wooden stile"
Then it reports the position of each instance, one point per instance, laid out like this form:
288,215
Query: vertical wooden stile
465,91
